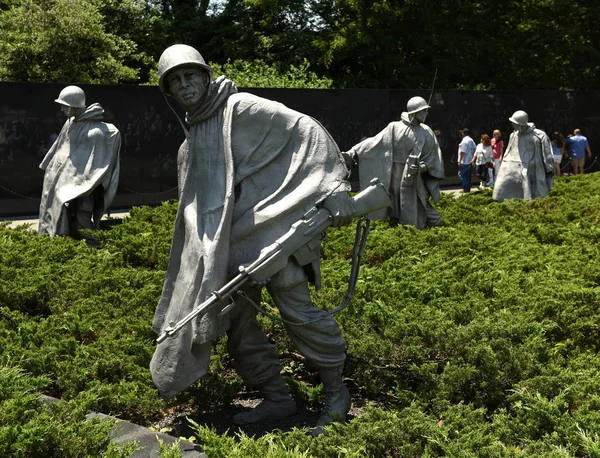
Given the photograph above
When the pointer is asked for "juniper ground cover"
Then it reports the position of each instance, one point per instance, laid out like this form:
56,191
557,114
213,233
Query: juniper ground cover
482,336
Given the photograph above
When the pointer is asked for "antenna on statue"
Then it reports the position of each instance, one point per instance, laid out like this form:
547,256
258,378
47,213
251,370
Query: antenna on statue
432,86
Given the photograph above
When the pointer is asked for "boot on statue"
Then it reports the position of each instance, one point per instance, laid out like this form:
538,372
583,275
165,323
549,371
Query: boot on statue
277,403
337,399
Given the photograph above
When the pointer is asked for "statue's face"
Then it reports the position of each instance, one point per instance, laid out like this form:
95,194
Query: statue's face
189,86
516,126
68,111
421,115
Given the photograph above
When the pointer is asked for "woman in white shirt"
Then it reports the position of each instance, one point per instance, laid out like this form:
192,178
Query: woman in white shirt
482,157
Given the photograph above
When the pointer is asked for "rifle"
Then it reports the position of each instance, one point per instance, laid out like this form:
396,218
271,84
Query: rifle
300,242
413,159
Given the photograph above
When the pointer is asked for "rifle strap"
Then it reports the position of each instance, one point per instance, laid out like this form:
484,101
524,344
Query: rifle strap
360,241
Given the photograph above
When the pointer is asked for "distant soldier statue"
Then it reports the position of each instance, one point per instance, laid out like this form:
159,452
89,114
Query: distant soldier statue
527,169
81,169
407,159
248,170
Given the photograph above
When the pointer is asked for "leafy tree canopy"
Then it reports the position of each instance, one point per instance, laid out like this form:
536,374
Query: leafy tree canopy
492,44
65,40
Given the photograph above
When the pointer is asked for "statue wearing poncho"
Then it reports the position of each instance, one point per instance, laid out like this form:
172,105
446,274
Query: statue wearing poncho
81,168
386,156
248,170
527,169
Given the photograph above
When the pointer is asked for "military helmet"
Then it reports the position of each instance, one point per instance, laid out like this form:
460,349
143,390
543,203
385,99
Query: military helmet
72,96
176,56
416,104
519,117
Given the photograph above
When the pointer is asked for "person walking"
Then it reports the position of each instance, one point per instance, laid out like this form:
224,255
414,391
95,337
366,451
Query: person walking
482,159
498,153
558,150
578,145
466,149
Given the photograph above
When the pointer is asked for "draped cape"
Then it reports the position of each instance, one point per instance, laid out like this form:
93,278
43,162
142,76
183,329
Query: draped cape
527,169
248,170
84,156
377,154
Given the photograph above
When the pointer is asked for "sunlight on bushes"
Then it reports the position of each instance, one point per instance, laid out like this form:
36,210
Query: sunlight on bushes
479,337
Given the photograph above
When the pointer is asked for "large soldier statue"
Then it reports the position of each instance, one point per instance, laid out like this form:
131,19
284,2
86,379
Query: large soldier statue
248,169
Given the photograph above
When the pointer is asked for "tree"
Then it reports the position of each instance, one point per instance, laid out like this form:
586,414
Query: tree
258,74
63,40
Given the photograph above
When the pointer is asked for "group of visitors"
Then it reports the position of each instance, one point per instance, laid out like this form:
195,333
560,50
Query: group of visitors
487,156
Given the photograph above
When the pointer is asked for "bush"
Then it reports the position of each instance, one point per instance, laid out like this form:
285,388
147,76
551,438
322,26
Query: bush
481,335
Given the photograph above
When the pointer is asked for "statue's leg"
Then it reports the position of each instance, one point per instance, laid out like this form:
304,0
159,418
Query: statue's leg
395,193
82,219
433,216
257,363
98,196
319,339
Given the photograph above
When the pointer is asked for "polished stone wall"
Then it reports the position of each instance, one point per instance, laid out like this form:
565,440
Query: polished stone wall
30,120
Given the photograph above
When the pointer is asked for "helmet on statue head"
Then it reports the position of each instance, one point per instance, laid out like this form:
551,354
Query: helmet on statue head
519,117
177,56
72,96
416,104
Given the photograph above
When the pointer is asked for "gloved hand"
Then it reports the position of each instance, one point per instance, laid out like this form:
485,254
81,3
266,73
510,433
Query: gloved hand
341,207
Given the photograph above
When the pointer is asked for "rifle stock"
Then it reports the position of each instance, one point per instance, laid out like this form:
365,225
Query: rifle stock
300,241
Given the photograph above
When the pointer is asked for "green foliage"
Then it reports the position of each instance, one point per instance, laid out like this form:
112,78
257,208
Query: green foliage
169,451
64,40
29,427
144,240
480,336
259,74
545,44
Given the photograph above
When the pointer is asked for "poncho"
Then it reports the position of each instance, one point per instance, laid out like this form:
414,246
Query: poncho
248,170
527,170
377,154
84,156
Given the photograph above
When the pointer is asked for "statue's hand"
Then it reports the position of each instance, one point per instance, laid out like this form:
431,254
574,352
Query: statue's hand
423,167
349,158
258,284
341,207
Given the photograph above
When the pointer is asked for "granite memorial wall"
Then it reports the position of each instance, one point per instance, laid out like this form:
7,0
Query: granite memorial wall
151,133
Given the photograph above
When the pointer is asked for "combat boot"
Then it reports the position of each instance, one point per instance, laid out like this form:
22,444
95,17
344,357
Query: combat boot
277,403
337,399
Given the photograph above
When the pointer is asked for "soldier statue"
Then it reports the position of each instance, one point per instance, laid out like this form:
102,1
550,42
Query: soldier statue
248,169
527,169
81,169
407,159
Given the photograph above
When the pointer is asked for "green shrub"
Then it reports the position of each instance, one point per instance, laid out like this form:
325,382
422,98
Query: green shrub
29,427
479,337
